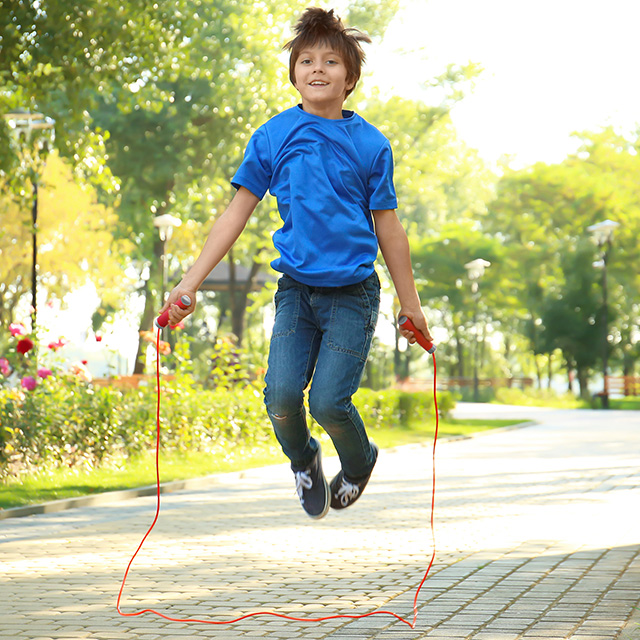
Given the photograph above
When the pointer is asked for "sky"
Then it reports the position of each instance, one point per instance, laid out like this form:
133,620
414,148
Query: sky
551,68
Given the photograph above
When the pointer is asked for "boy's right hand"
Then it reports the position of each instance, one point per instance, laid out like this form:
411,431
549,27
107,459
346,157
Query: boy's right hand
420,322
176,313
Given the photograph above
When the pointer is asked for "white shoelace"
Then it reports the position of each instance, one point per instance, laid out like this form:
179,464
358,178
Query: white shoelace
303,481
347,492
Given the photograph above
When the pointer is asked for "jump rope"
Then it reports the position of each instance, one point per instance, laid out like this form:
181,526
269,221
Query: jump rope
162,322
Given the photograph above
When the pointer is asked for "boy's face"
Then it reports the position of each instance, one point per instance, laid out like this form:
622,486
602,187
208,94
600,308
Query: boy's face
321,79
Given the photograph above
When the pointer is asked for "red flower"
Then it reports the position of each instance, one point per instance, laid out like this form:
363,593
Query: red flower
98,337
58,344
24,346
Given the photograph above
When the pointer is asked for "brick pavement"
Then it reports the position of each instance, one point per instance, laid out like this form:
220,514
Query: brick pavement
537,536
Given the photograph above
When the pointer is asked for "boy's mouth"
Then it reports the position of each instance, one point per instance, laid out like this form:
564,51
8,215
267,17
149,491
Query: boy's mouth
318,83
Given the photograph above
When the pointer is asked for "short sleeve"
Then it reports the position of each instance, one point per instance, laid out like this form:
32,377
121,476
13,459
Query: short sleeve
255,172
382,193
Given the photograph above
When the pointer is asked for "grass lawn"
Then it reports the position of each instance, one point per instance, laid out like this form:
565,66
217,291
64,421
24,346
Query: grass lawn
71,483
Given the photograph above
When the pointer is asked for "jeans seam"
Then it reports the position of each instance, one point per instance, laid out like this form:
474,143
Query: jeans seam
295,315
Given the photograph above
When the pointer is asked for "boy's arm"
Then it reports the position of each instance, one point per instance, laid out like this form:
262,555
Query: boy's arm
225,231
395,250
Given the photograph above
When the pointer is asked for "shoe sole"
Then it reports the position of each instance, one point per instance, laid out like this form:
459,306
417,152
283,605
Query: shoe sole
327,493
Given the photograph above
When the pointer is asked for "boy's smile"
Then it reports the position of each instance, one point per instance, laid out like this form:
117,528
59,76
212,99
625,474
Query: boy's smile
321,79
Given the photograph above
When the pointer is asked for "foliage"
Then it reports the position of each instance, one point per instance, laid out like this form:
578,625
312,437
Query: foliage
59,57
541,215
75,242
629,403
65,419
393,407
538,398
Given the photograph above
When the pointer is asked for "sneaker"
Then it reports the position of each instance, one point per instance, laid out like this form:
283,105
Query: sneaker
345,492
313,489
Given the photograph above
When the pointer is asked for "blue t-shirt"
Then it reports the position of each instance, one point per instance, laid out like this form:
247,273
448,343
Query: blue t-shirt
327,176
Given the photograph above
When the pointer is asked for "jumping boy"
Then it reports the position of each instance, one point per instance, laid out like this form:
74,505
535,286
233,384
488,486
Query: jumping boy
332,175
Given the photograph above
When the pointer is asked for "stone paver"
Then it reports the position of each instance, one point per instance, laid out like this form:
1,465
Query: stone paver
537,537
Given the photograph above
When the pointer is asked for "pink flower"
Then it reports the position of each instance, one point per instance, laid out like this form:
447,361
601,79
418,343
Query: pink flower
29,383
44,373
4,367
17,329
58,344
180,325
24,346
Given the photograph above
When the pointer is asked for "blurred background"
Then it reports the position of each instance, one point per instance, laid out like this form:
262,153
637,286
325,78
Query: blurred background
515,130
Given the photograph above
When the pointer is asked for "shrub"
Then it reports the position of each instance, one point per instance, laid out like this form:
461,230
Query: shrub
394,407
66,420
537,398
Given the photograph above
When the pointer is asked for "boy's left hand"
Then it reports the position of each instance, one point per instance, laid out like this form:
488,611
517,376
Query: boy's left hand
420,322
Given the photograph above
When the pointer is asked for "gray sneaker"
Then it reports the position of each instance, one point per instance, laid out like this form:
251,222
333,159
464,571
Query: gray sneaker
313,489
344,492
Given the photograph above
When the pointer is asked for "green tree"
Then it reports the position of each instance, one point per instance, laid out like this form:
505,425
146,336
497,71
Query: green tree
541,215
572,316
75,239
60,57
439,263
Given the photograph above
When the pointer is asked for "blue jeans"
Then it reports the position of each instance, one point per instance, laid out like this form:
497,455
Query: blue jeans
321,335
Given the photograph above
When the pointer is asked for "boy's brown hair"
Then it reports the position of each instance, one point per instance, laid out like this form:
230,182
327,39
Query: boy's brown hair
317,26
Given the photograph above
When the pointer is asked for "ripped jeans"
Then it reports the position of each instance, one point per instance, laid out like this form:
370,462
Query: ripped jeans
321,335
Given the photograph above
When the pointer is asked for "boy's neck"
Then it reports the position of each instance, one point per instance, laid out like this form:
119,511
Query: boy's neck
330,112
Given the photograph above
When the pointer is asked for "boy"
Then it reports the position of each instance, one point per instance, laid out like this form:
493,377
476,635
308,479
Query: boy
332,175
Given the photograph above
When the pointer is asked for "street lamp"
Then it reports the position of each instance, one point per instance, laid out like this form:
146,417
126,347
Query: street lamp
602,234
165,225
34,134
475,271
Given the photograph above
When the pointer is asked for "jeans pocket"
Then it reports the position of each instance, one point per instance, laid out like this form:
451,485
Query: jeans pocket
354,318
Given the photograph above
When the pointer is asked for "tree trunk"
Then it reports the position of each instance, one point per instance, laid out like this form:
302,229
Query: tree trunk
459,353
151,304
583,381
538,371
569,376
239,296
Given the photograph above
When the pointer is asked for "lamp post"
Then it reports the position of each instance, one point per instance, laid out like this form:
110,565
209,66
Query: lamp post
34,135
602,234
165,225
475,270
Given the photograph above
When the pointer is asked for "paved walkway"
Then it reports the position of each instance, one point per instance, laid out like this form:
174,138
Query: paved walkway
537,536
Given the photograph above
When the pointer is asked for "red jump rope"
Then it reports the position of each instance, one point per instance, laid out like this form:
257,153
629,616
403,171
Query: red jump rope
161,322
